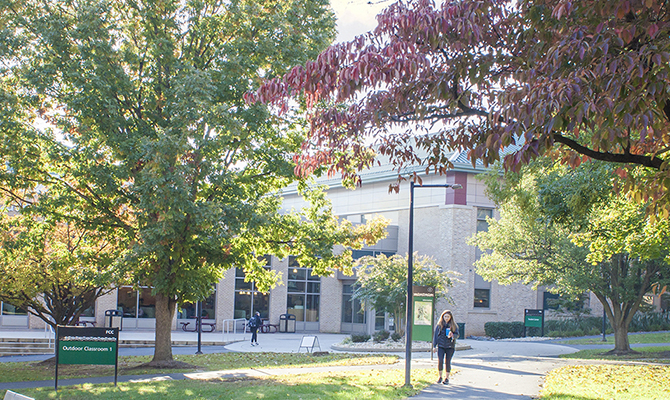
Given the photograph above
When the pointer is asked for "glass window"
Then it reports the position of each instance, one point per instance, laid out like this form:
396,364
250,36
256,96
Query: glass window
9,309
248,300
187,310
312,308
127,301
147,307
89,312
380,318
352,310
304,288
482,298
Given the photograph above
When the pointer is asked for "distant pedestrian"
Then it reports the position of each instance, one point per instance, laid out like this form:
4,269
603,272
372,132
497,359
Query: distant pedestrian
444,342
254,324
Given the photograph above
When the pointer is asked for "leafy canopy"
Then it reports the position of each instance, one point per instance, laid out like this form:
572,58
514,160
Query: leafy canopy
571,79
568,229
151,136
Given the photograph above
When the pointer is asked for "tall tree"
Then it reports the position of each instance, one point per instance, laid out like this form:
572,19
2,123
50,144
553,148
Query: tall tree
568,230
575,79
382,282
152,135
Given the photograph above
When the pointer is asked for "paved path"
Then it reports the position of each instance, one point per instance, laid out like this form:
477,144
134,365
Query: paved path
489,370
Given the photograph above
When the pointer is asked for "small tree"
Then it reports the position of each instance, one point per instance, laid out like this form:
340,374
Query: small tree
382,282
55,270
568,229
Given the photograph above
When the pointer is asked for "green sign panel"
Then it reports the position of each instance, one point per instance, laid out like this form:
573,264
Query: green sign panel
422,328
533,321
85,352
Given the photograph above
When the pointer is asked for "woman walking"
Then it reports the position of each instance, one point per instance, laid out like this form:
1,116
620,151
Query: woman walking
444,343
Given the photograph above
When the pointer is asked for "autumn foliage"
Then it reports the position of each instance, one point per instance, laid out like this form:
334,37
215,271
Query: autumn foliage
573,79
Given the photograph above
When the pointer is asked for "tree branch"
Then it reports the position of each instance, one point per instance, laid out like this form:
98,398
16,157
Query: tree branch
647,161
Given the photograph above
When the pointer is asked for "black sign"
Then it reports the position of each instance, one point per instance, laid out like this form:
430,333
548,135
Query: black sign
80,345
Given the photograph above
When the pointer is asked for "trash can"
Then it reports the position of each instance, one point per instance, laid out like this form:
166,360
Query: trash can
461,330
287,323
113,319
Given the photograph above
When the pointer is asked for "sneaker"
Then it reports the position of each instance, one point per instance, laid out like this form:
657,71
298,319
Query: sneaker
446,381
439,380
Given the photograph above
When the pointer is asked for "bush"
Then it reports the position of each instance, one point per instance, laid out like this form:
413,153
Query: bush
650,321
380,336
360,337
503,330
396,336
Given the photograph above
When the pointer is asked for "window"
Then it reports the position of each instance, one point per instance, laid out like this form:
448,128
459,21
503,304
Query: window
187,310
352,309
136,303
482,287
304,289
248,300
482,297
9,309
356,254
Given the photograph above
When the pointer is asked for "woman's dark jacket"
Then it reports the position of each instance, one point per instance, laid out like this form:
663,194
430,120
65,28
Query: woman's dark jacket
440,338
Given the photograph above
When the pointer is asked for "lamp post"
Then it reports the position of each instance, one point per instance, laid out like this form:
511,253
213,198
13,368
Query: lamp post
604,324
198,321
410,276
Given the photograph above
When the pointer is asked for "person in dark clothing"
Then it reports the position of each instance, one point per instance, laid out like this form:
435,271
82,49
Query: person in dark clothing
254,324
444,342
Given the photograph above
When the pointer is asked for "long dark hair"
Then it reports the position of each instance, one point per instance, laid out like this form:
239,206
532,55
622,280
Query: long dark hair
452,323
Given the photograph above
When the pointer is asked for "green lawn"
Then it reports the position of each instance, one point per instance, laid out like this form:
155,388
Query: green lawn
369,385
619,382
28,371
654,337
655,354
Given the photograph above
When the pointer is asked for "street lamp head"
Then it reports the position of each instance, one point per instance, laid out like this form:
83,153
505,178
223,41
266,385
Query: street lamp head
456,186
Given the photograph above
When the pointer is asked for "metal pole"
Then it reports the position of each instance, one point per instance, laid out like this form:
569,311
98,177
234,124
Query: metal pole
410,278
198,309
604,323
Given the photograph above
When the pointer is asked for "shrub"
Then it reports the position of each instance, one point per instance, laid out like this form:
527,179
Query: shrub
360,337
649,321
380,336
503,330
396,336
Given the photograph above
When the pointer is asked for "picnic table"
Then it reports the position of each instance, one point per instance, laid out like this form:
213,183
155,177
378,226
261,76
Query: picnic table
194,328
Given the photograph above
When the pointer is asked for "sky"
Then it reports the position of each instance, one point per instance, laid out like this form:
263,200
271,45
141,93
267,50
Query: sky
355,17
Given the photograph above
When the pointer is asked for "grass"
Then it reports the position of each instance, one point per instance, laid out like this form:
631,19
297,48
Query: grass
373,385
128,365
655,337
655,354
595,382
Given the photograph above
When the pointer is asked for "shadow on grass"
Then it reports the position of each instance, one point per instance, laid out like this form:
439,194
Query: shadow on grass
371,384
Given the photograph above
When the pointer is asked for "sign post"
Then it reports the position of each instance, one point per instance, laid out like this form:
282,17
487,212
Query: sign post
79,345
533,319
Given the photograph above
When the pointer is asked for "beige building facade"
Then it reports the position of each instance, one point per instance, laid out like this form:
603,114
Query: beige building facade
444,221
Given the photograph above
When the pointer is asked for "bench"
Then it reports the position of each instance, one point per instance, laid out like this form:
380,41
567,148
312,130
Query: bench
85,323
185,328
269,328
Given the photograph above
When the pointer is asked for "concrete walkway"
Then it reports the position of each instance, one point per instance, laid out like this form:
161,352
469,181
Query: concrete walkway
489,370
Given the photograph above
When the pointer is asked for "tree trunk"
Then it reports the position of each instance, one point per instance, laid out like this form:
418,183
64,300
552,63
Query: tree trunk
165,309
621,343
